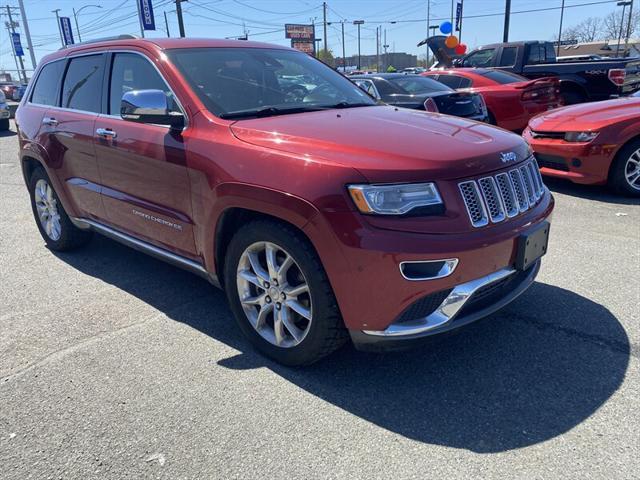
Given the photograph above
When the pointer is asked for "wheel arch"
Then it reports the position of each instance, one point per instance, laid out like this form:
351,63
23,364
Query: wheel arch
634,138
573,86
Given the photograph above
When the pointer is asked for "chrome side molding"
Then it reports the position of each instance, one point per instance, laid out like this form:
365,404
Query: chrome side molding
447,310
145,247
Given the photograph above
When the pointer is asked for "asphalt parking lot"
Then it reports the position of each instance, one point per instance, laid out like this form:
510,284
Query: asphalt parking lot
115,365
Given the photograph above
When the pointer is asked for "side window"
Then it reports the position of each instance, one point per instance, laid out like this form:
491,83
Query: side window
82,85
45,91
368,87
481,58
536,54
508,57
550,53
131,71
465,83
451,81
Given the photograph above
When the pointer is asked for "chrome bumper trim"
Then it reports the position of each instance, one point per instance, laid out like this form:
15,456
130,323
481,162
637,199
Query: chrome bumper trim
447,310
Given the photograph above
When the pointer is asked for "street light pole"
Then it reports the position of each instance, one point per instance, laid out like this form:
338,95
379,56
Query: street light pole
624,7
59,27
560,31
358,23
75,17
27,34
626,38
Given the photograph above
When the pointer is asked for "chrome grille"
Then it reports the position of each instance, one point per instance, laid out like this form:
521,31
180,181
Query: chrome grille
492,199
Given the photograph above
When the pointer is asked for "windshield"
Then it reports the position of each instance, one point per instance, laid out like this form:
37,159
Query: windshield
502,77
417,85
245,82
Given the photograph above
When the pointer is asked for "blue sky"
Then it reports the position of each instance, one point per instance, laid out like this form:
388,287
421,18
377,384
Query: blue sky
264,20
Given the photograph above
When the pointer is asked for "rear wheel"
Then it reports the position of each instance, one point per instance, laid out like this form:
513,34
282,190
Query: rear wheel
53,222
280,294
624,176
4,124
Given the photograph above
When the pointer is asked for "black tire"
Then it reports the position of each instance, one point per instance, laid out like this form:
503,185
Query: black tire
572,97
617,174
70,236
4,124
326,331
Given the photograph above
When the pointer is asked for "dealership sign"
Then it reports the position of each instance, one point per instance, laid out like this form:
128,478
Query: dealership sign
299,32
146,15
17,45
458,16
67,33
305,46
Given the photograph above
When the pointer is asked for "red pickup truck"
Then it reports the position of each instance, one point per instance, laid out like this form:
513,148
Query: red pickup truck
323,215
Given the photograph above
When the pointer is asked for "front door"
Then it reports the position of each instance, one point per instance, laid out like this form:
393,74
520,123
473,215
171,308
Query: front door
143,167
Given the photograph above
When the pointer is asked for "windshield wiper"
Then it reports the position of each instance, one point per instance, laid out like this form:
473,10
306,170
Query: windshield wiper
267,112
347,105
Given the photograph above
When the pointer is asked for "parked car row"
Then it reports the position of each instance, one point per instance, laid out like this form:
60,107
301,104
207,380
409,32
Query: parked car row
12,91
4,113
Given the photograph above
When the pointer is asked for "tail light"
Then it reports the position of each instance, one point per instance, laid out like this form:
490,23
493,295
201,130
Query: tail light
617,75
539,93
430,105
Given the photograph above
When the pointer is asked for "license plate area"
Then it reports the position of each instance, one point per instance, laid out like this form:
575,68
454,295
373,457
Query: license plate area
532,245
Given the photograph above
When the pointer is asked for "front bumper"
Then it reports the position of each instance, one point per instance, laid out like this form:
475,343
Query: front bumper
464,304
585,163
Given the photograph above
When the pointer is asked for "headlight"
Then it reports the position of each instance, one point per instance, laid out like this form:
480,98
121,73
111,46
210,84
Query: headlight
394,199
580,136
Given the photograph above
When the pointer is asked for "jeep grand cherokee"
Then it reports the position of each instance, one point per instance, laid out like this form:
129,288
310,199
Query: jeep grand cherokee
323,215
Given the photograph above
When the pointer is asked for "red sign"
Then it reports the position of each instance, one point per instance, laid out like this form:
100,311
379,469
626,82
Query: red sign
304,46
299,32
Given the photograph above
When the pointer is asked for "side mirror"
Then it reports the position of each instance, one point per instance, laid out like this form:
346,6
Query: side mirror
149,106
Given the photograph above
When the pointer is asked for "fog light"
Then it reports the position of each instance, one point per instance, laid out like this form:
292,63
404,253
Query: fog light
576,162
428,269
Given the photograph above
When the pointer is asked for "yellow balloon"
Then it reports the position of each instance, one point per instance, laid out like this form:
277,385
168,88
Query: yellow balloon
451,41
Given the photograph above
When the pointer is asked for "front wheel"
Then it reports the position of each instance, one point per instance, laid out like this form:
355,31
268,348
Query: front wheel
625,172
280,294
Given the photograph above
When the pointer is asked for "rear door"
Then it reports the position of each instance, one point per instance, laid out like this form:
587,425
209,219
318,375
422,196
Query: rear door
143,166
68,132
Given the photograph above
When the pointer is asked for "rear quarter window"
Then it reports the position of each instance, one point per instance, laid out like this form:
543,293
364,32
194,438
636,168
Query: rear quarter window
455,81
47,86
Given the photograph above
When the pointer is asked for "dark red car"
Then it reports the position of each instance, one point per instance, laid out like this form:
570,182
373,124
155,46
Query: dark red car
322,214
591,143
511,99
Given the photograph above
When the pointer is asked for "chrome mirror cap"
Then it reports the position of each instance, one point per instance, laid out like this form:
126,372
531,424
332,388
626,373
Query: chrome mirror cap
137,104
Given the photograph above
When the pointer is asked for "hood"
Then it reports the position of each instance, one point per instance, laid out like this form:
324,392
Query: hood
587,116
387,144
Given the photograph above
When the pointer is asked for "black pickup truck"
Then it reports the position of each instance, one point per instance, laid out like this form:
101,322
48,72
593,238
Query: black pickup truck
580,81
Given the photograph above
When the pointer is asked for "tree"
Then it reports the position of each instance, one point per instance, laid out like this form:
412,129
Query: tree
588,30
327,57
611,25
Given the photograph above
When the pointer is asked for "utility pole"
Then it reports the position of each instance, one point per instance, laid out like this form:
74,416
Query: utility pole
12,30
560,32
13,50
25,26
166,23
180,19
622,4
385,46
324,19
378,49
140,18
59,27
344,57
507,14
626,38
428,22
358,23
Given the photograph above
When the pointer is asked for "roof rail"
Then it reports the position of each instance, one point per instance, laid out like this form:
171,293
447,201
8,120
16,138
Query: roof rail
124,36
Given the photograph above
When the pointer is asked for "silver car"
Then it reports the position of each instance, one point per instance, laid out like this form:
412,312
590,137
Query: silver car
4,113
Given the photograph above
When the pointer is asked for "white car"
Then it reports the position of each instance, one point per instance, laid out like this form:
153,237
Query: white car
4,113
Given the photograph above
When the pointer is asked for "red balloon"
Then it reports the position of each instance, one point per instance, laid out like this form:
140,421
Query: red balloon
461,48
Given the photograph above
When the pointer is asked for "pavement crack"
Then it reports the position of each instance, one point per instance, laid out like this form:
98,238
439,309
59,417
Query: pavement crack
615,346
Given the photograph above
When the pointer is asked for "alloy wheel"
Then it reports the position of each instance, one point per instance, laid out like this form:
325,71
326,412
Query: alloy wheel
632,170
47,208
274,294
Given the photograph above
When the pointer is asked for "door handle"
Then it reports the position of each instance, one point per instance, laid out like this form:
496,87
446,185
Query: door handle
49,121
105,132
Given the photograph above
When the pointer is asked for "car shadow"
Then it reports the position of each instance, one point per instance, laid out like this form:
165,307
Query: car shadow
600,193
7,133
526,375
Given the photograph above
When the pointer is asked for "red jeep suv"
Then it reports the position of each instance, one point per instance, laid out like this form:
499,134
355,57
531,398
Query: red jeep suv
322,214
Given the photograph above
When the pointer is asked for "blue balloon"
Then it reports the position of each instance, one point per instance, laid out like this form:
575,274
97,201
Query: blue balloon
446,27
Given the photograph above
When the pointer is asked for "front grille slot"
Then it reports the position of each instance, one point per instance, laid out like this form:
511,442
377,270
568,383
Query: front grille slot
554,135
506,194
